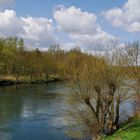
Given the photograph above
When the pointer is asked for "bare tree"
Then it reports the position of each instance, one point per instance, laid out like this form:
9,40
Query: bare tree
99,91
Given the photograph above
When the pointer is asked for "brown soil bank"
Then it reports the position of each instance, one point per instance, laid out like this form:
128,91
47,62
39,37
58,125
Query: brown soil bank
8,82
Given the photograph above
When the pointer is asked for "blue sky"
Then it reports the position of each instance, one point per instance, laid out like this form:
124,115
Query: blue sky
44,8
46,22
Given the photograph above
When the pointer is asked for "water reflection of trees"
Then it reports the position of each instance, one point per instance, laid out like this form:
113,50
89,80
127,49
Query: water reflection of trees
24,103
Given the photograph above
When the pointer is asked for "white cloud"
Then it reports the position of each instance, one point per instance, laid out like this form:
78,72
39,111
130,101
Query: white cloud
73,20
82,27
10,25
127,17
37,32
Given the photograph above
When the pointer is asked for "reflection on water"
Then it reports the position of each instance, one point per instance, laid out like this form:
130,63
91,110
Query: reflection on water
32,112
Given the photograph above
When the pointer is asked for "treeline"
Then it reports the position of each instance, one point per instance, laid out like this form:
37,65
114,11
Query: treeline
18,62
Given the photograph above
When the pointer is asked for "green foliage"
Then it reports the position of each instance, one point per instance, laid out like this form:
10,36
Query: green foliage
17,61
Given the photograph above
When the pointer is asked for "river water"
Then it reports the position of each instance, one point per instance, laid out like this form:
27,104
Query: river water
32,112
35,112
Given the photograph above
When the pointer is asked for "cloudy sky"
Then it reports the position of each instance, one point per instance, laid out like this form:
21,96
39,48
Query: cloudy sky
71,23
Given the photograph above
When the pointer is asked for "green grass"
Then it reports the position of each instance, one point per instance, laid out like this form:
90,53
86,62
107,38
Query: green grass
130,131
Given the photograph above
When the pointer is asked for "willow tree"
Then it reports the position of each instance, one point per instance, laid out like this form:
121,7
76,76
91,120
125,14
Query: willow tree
96,96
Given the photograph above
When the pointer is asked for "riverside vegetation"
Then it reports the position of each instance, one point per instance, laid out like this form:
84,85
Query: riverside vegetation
17,64
99,84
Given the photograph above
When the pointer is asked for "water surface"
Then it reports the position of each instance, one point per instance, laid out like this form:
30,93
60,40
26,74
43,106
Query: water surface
32,112
36,112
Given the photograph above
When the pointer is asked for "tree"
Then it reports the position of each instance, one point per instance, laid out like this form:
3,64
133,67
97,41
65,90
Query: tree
97,95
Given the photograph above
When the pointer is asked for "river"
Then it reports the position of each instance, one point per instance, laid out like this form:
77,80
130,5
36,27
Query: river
32,112
35,112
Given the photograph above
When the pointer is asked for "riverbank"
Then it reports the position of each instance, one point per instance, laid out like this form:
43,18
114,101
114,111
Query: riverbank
129,131
11,81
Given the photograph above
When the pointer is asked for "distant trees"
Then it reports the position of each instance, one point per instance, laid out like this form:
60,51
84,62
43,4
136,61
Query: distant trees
10,56
18,62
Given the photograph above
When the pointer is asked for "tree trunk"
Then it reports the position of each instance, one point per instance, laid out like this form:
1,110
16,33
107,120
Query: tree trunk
87,101
117,114
98,105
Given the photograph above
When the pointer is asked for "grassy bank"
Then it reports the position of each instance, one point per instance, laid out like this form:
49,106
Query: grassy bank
10,80
129,131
